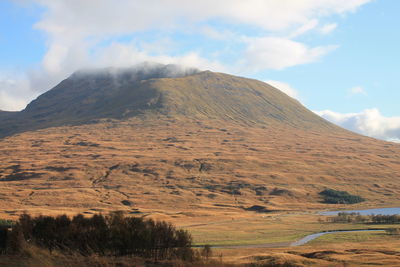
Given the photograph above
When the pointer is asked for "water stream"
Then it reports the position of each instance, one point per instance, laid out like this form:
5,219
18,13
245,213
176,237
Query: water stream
308,238
381,211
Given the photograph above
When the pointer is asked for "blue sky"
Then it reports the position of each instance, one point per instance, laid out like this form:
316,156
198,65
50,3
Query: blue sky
20,45
340,58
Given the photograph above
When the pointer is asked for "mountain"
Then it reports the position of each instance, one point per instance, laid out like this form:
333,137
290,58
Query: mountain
161,90
6,114
92,94
184,145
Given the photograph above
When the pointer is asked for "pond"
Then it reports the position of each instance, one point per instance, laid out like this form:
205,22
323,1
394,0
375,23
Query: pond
382,211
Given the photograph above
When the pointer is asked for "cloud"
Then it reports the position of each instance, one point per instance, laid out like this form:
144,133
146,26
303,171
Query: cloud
357,90
14,92
72,32
69,18
10,103
125,55
305,28
279,53
284,87
369,122
328,28
81,34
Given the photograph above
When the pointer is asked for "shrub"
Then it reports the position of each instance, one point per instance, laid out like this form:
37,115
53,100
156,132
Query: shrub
332,196
206,252
393,231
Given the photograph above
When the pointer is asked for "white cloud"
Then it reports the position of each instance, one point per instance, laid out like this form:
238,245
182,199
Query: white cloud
369,122
279,53
284,87
357,90
14,92
124,55
305,28
83,33
328,28
68,25
10,103
70,18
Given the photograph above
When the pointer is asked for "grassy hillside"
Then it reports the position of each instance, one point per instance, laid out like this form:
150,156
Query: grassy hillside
181,167
86,97
209,95
201,150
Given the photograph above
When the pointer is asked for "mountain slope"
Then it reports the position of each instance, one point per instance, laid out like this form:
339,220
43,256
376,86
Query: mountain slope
6,114
209,95
184,146
173,167
124,93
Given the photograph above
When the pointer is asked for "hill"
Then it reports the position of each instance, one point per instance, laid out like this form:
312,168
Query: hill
87,96
6,114
183,146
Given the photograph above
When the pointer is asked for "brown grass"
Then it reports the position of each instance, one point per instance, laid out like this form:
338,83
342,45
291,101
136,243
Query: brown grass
33,256
370,253
185,172
181,169
385,252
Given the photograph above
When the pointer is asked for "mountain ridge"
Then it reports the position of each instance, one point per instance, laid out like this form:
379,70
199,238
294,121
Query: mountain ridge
165,90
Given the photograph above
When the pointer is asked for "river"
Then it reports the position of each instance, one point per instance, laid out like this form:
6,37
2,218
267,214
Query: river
381,211
308,238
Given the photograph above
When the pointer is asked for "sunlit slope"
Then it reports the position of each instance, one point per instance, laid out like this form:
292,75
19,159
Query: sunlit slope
88,96
182,146
189,168
209,95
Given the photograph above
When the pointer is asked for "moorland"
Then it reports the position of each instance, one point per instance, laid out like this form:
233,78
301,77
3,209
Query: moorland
232,160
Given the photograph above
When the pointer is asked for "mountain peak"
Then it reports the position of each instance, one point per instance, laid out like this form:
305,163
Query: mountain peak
161,90
142,71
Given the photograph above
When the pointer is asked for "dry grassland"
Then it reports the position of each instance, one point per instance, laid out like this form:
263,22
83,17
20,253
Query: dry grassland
202,176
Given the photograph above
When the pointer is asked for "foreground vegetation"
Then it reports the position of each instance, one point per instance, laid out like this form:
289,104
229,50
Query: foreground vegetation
111,235
352,248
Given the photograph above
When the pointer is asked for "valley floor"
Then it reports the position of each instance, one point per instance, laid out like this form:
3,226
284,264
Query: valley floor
265,240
